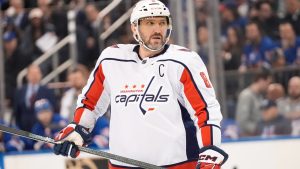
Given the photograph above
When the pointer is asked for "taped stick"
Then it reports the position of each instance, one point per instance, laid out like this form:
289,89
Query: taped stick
100,153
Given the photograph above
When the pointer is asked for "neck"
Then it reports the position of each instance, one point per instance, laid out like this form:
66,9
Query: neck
144,53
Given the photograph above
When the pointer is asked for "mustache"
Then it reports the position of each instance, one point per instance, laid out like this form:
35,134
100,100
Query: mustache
157,34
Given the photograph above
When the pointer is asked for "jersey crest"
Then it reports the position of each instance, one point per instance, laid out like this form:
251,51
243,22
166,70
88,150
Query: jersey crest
139,93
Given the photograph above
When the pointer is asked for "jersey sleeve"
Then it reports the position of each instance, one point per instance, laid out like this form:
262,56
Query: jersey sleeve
94,98
199,99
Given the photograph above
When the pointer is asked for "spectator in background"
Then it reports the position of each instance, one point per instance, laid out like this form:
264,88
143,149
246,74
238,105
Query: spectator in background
275,92
8,142
55,13
46,8
201,12
249,101
289,43
48,124
16,12
14,62
9,26
91,12
59,19
230,17
27,95
293,14
89,37
290,106
35,30
100,134
272,123
253,12
78,7
232,49
258,50
243,7
231,56
267,19
203,43
77,79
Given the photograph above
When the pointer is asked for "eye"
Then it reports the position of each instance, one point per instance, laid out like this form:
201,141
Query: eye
149,23
163,23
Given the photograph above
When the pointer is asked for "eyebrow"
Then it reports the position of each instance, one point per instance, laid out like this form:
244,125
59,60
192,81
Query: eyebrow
160,18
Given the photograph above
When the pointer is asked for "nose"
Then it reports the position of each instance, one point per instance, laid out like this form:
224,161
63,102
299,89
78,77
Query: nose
157,28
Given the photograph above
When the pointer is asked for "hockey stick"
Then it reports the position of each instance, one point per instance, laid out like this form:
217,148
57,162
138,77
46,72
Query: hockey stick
83,149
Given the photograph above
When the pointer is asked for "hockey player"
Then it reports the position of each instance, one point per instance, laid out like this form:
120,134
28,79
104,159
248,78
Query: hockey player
163,106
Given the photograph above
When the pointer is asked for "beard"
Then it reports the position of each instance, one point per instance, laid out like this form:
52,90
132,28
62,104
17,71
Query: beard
155,41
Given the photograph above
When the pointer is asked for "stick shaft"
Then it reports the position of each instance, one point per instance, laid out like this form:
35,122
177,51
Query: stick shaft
100,153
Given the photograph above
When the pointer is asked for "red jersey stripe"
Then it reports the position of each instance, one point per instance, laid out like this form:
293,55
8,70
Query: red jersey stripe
194,98
78,114
197,102
96,88
206,135
92,95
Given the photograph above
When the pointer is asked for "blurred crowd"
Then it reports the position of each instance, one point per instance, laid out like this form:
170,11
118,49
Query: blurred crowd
256,36
30,28
37,109
265,109
255,33
261,41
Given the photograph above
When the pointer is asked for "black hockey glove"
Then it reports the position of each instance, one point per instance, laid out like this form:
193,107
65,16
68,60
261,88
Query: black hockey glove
69,138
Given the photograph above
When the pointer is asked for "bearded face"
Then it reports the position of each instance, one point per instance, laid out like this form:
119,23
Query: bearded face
153,31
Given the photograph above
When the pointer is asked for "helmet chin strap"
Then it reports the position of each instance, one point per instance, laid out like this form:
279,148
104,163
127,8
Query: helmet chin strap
139,39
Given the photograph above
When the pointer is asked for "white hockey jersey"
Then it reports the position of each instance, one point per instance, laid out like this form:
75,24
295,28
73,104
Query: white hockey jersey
163,108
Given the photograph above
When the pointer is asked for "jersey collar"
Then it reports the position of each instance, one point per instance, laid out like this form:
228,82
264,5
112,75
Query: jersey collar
137,47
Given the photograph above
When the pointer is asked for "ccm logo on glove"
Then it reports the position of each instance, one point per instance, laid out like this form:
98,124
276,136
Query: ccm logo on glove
208,158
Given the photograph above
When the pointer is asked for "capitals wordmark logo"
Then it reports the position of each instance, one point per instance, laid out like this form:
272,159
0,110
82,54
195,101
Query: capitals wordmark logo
139,94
